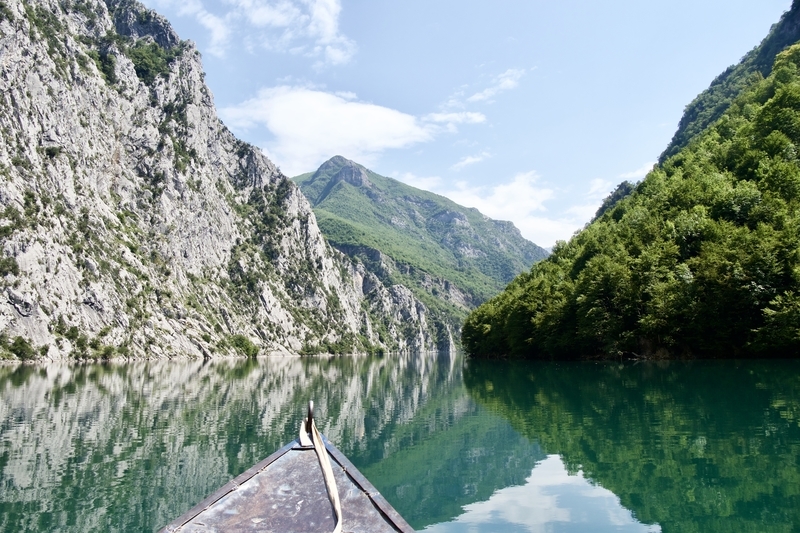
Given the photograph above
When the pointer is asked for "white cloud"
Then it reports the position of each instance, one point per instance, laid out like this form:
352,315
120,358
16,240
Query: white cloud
640,172
310,126
582,212
309,27
577,215
430,183
506,81
471,160
454,101
220,32
218,27
451,120
551,499
281,14
599,189
457,118
522,200
306,27
519,200
519,197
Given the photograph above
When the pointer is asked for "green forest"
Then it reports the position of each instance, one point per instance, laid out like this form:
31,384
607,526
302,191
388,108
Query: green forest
702,259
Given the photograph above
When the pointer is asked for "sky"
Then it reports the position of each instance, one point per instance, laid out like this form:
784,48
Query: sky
529,110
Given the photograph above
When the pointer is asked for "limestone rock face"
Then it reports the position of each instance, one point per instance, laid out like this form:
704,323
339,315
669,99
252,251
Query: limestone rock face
133,222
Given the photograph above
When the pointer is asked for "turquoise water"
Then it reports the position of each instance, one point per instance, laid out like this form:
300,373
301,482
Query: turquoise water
455,447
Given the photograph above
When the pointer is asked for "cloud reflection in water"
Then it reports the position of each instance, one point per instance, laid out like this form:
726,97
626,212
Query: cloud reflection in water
550,501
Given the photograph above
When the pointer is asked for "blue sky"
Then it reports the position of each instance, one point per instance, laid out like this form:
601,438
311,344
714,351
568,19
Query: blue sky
531,111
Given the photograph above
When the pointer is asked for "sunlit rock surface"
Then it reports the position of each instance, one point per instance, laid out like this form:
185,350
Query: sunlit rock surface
130,213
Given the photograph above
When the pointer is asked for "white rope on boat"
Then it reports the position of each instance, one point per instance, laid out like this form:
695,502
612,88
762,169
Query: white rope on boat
324,463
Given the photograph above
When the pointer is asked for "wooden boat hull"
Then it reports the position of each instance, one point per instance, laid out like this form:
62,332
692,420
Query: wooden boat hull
286,493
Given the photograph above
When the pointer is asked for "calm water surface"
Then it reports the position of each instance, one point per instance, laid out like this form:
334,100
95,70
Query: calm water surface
455,447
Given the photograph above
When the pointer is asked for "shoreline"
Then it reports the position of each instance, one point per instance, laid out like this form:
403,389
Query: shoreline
124,360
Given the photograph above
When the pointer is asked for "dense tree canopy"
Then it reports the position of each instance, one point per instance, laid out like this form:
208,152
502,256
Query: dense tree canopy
754,66
701,259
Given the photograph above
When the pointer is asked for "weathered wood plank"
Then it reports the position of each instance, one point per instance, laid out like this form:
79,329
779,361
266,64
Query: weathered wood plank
286,493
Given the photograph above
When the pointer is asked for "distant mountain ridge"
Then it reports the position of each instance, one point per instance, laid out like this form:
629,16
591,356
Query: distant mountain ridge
452,257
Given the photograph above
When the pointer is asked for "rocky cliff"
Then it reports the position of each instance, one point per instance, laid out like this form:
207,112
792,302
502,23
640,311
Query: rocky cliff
132,222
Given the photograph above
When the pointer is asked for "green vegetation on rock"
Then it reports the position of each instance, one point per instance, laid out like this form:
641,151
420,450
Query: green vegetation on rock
244,345
702,259
5,12
150,60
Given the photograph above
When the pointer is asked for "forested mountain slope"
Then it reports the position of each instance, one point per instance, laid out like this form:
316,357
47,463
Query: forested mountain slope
702,259
452,257
754,67
132,222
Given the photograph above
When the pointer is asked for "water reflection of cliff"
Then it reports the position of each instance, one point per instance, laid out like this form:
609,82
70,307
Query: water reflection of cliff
127,447
693,446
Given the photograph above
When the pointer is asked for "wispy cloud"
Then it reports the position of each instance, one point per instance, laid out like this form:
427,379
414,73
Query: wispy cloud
281,14
521,195
471,160
451,121
504,82
309,126
323,26
587,203
521,200
640,172
219,29
598,189
429,183
304,27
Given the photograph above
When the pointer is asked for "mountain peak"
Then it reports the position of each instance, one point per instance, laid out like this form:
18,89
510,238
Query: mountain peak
446,253
334,163
339,169
134,20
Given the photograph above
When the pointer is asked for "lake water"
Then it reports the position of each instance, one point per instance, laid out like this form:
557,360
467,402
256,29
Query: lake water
703,446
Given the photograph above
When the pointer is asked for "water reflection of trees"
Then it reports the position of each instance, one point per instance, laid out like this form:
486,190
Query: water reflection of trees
694,446
82,444
127,447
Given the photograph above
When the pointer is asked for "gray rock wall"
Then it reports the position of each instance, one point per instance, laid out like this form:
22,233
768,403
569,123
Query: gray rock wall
133,223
